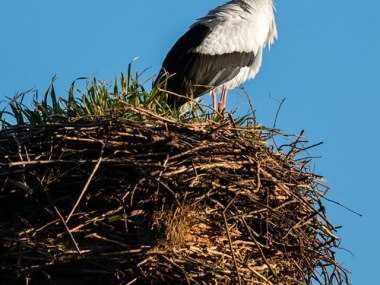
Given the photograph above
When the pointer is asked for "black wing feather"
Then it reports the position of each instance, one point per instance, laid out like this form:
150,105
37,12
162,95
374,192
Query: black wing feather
192,73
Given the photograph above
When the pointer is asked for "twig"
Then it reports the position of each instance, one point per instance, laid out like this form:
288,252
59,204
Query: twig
278,112
343,206
229,238
67,230
86,185
260,276
259,247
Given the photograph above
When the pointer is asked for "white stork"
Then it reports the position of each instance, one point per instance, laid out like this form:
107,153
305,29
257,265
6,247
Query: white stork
220,51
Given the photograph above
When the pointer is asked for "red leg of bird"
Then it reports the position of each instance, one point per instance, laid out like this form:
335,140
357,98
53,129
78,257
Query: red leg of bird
223,100
213,97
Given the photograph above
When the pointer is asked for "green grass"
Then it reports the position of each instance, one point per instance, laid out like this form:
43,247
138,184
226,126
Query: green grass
89,99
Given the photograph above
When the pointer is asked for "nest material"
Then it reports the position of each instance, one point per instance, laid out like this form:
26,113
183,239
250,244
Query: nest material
160,202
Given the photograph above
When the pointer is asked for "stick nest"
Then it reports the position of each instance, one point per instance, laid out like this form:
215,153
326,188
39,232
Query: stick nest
160,202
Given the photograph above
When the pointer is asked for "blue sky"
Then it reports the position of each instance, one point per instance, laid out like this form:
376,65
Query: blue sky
326,65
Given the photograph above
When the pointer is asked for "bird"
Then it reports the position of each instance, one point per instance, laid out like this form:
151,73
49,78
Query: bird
219,52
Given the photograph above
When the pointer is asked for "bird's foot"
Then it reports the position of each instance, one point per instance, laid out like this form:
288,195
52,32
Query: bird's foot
214,100
219,107
223,101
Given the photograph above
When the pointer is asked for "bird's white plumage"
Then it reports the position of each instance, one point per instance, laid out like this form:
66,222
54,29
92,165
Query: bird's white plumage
240,26
237,28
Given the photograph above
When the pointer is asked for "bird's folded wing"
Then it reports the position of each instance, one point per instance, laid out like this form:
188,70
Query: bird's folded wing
198,72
